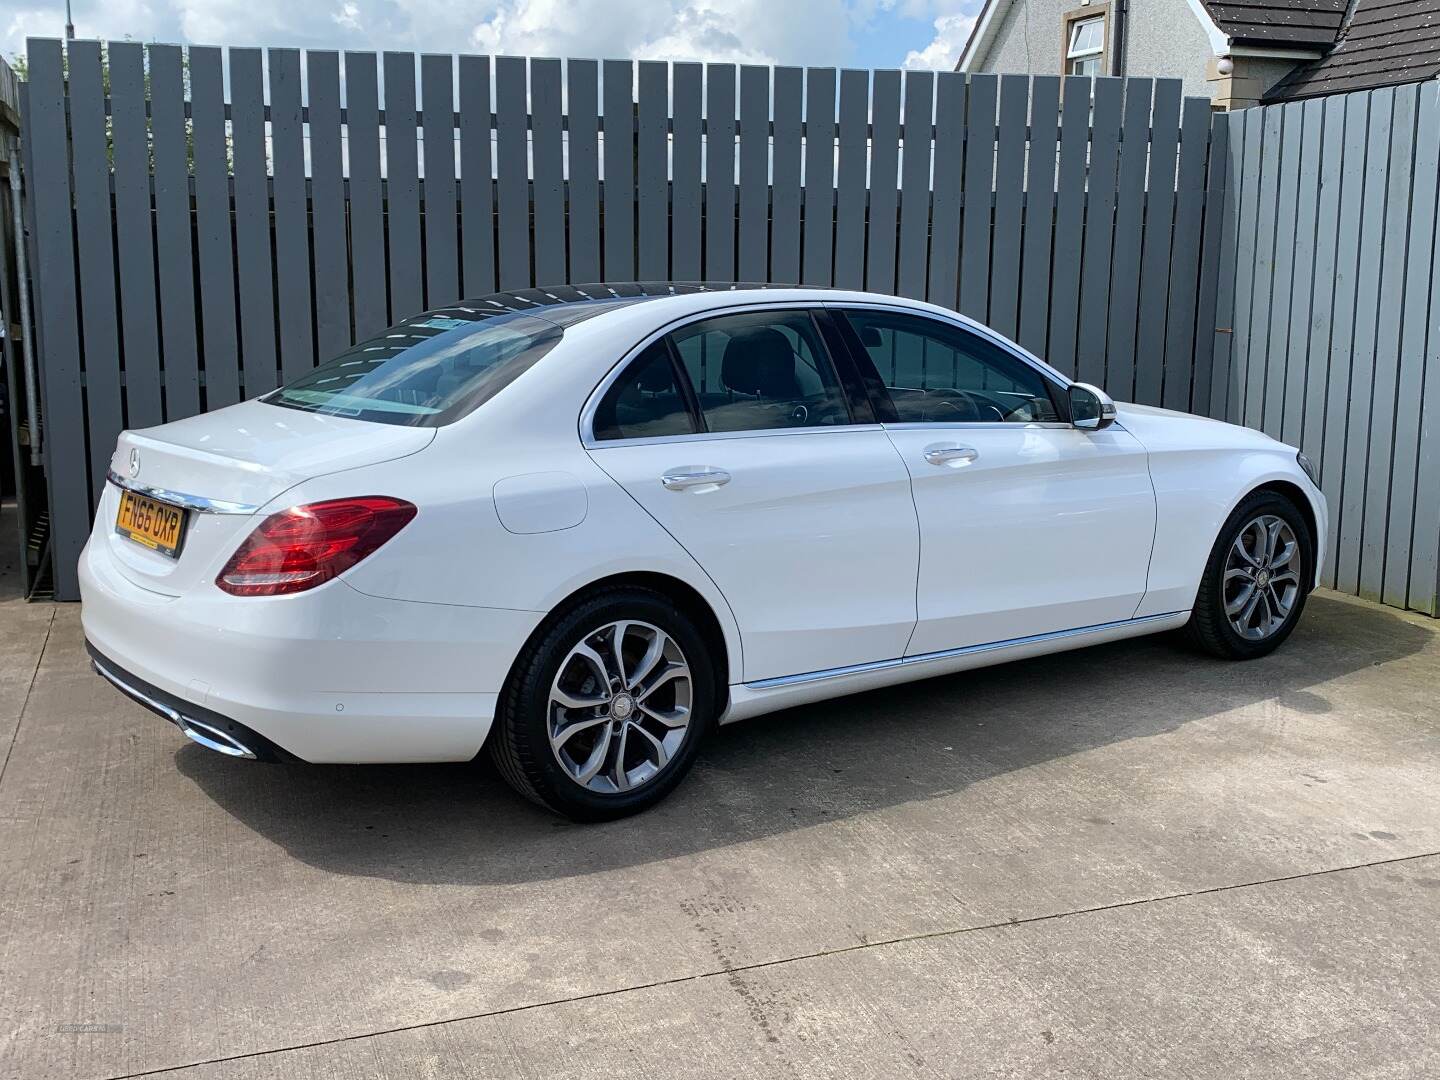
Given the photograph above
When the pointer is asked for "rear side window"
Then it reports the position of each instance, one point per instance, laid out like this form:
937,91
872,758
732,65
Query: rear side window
646,401
428,371
760,371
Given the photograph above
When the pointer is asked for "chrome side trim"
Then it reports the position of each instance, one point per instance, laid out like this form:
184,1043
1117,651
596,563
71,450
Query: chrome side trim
947,654
209,737
198,503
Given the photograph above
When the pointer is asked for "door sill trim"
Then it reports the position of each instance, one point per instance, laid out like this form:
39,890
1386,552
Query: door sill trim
947,654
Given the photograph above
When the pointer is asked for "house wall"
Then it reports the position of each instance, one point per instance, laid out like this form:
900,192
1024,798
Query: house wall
1163,39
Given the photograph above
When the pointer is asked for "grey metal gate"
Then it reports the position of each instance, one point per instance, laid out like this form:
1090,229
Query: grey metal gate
193,250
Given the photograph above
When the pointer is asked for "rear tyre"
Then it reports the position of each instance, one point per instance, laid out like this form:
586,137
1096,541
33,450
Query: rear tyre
1256,580
605,710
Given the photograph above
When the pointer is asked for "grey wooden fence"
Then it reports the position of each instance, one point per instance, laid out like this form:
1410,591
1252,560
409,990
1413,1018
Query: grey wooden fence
1329,332
193,250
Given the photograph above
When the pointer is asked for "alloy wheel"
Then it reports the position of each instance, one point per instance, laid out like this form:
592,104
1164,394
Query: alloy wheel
1262,577
619,706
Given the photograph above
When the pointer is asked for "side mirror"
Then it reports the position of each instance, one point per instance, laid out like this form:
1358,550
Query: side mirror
1090,407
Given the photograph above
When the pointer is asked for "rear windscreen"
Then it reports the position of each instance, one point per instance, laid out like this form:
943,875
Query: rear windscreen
425,372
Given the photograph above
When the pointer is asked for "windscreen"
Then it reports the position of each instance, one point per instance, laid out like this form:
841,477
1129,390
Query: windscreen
427,371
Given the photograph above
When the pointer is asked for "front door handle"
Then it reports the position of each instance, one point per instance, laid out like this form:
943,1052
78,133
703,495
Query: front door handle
953,456
705,476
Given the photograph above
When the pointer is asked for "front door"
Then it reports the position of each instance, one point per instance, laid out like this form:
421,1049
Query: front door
1028,525
734,433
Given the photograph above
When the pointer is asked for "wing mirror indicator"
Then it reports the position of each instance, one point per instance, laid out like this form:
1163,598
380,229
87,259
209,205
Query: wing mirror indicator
1090,407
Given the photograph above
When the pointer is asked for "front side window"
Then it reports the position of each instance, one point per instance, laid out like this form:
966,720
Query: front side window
935,372
1085,46
427,371
760,371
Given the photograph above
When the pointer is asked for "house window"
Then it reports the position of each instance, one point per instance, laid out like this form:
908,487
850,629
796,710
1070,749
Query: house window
1085,46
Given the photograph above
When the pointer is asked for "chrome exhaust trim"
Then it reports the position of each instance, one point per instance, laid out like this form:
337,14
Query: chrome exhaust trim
195,730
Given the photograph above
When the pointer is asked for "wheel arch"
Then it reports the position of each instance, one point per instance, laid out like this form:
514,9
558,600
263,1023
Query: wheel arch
685,596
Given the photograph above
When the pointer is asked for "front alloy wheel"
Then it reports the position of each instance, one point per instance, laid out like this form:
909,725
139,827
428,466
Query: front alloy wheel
1262,579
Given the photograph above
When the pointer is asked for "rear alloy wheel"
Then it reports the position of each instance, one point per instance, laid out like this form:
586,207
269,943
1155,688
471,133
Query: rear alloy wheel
604,712
1255,581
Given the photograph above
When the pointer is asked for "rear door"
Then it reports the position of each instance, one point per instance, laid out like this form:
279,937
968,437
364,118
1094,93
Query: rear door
1028,525
735,433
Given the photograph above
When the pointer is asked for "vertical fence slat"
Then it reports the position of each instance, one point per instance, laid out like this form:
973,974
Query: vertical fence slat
1245,254
1039,212
1226,300
754,172
720,172
944,278
884,182
1327,215
1364,369
212,228
1179,352
327,206
1069,225
850,182
367,214
55,300
685,223
1297,348
1390,311
292,248
253,263
816,268
1125,250
477,185
174,251
1211,245
1009,204
1424,591
442,256
402,186
1277,334
785,200
619,158
915,184
1099,229
512,189
980,102
95,258
548,186
134,240
1256,361
1402,581
1155,247
652,181
1335,469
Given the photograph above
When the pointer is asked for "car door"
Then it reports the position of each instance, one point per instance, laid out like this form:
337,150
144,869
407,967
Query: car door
1028,525
735,433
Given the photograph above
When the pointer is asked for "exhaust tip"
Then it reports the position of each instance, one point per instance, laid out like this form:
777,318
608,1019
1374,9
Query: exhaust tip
213,738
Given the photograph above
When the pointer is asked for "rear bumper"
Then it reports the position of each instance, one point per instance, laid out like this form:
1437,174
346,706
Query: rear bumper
332,675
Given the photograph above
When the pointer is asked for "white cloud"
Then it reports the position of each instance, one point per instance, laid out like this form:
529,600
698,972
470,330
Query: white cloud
943,52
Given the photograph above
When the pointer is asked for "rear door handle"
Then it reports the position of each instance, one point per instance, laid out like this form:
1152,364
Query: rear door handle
953,456
704,476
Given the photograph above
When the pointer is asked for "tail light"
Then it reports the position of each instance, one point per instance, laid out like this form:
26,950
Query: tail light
306,546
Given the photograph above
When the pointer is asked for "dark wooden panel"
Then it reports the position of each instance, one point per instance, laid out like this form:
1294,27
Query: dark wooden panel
327,206
292,248
442,237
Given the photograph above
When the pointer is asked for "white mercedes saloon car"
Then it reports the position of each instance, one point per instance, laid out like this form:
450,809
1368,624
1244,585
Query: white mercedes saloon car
582,526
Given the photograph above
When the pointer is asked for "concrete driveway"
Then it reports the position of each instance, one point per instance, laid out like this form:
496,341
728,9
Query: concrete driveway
1127,861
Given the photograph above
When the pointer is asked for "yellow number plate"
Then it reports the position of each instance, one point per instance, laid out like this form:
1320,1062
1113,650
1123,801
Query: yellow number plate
155,525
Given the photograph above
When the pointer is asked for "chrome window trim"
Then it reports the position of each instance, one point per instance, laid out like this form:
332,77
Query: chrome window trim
961,323
198,503
996,425
717,436
592,403
948,654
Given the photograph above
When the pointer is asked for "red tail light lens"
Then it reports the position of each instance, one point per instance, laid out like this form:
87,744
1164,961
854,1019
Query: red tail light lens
306,546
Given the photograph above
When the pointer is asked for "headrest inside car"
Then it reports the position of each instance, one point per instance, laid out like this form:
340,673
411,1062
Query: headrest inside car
870,337
760,363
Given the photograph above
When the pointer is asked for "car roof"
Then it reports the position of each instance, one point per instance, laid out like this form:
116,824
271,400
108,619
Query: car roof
566,305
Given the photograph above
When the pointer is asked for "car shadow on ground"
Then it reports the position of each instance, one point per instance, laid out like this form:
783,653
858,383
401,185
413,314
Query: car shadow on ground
459,824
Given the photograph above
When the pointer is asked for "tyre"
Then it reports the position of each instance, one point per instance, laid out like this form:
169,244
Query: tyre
1256,580
606,708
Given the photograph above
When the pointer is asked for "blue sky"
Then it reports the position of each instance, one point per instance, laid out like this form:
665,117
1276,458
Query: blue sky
855,33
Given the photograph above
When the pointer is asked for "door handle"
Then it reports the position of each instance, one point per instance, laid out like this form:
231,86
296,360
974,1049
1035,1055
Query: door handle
703,477
953,456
